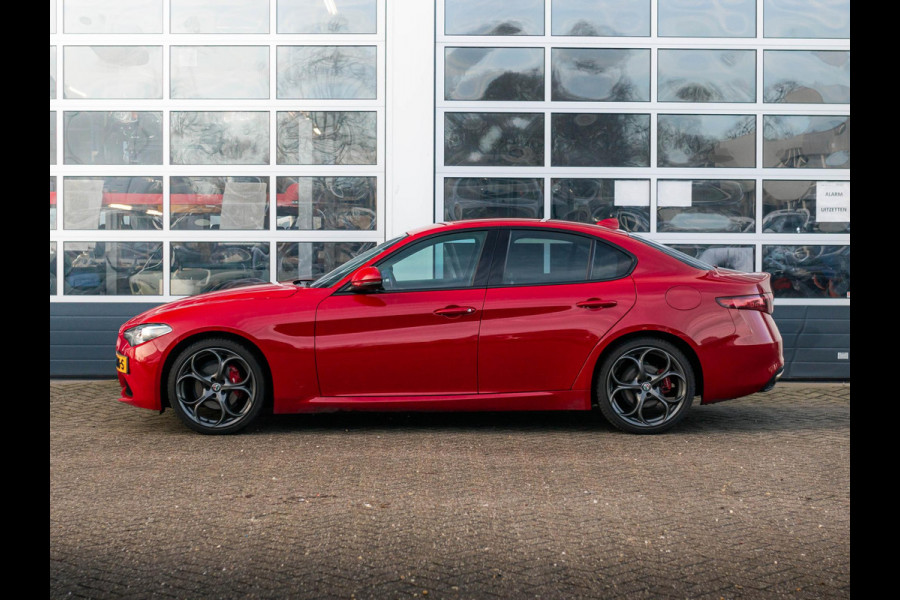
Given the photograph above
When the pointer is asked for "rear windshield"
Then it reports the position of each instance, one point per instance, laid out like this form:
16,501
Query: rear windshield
681,256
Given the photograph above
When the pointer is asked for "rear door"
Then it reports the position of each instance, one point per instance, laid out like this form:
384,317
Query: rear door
552,296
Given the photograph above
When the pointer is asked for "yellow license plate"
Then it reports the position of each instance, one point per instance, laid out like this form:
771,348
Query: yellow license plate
121,363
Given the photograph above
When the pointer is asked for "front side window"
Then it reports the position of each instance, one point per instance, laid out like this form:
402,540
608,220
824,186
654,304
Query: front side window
443,262
537,258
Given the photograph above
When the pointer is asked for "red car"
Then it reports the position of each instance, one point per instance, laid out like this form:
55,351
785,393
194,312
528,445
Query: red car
495,315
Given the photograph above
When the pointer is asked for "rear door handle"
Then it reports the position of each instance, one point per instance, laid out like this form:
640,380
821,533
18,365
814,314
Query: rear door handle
454,311
593,303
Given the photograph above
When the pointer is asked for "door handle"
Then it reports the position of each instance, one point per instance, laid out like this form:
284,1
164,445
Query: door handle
593,303
454,311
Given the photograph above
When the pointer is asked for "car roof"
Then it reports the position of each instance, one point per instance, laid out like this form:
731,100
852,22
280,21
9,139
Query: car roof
508,222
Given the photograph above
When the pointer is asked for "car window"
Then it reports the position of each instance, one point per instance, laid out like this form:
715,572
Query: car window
447,261
609,263
537,257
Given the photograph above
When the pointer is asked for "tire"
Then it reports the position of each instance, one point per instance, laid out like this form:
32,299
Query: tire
216,386
646,385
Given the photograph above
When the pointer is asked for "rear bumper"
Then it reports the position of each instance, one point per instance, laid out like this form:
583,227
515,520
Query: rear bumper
771,383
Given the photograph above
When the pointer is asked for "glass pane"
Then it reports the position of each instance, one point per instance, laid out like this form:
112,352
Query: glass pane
806,142
808,271
220,16
220,138
219,203
449,261
707,76
707,18
605,75
327,16
113,16
709,206
113,138
52,202
609,263
52,16
329,72
806,76
53,137
538,258
493,197
52,72
338,203
112,268
806,18
113,203
52,268
199,267
727,256
310,260
112,71
220,72
707,141
601,17
600,140
493,74
592,200
790,207
476,17
494,139
327,138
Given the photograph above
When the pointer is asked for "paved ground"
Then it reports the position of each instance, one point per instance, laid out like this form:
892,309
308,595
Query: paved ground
746,499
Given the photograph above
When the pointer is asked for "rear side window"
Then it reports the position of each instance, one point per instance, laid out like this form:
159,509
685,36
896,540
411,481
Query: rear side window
536,257
609,263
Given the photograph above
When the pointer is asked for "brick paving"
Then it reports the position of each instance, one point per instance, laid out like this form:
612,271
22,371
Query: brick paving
749,498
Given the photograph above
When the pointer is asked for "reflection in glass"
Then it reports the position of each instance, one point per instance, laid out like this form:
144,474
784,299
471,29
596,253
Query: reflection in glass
806,76
310,260
318,16
600,140
808,271
52,72
113,203
219,138
605,75
601,17
493,197
52,16
806,142
220,16
52,202
543,257
494,139
591,200
707,141
112,138
113,16
337,203
707,76
476,17
806,18
112,268
112,71
219,203
715,206
726,256
493,74
52,268
220,72
327,138
53,137
790,207
328,72
199,267
707,18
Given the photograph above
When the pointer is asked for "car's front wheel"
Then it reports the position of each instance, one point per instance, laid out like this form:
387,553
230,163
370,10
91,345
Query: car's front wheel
216,386
645,386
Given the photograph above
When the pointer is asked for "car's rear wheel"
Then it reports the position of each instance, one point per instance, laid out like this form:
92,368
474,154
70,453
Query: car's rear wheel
645,386
216,386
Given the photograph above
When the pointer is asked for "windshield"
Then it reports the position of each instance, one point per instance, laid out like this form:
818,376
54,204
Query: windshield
332,277
686,259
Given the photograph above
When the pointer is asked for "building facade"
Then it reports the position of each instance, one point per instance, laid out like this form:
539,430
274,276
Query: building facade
202,144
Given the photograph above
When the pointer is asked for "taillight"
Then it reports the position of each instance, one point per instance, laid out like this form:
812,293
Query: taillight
760,302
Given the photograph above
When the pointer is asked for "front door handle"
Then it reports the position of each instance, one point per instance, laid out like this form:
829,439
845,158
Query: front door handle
454,311
593,303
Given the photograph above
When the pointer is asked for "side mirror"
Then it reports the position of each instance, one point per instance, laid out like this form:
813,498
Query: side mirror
367,279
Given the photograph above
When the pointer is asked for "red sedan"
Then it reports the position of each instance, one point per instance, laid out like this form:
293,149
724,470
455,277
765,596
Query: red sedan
476,315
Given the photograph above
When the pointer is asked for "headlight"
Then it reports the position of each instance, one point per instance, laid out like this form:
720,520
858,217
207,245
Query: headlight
145,333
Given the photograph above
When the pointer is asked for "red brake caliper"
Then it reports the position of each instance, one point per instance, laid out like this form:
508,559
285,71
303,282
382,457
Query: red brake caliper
666,385
234,376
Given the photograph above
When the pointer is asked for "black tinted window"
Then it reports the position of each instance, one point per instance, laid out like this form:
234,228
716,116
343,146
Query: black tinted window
609,263
536,257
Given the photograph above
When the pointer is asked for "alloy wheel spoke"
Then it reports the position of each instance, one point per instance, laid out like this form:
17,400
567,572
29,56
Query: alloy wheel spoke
615,369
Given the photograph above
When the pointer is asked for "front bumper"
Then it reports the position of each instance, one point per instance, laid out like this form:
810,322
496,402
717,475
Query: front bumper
141,385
